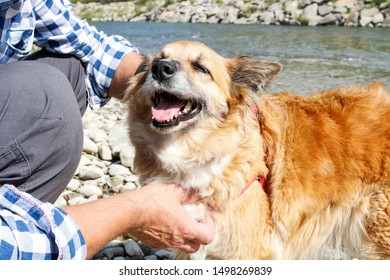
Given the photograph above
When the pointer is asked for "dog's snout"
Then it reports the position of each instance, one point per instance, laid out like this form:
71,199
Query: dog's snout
163,69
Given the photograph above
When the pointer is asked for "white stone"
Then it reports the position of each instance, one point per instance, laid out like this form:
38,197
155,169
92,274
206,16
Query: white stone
69,194
89,146
324,10
100,182
117,169
90,190
93,197
77,200
314,20
98,135
378,18
310,11
126,156
73,185
266,17
115,180
364,21
85,160
328,20
60,202
369,12
119,138
104,151
344,3
90,172
291,6
128,187
131,178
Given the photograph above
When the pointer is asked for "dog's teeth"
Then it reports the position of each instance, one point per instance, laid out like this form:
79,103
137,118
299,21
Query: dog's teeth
187,108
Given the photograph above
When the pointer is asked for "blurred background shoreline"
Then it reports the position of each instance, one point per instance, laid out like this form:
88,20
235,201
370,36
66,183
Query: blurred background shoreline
363,13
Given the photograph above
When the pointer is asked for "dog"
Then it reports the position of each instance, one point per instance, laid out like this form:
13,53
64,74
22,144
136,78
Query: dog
283,176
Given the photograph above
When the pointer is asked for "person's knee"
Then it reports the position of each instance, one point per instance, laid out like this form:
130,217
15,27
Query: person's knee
72,68
30,91
39,112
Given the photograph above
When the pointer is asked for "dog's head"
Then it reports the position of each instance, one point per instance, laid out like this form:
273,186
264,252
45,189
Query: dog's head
187,82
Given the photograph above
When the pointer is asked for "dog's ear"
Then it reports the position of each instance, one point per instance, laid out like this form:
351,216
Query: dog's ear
252,73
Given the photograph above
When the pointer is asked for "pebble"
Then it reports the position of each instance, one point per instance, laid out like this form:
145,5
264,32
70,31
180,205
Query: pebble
126,156
90,190
104,151
77,200
90,172
117,169
89,146
132,248
112,252
165,254
98,136
128,187
73,185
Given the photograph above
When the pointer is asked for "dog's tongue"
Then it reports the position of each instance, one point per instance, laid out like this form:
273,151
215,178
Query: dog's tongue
167,110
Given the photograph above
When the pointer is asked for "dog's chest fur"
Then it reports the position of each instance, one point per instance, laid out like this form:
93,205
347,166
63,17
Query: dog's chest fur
187,168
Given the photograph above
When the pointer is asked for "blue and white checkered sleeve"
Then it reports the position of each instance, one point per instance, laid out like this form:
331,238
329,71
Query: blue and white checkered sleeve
32,230
59,30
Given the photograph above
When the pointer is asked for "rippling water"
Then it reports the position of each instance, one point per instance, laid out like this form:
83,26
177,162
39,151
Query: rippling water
314,58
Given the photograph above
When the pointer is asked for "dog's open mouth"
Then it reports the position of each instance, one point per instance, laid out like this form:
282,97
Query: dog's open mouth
169,110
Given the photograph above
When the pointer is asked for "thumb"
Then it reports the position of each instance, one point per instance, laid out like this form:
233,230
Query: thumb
204,231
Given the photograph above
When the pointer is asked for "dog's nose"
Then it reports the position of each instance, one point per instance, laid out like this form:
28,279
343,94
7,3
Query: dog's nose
163,69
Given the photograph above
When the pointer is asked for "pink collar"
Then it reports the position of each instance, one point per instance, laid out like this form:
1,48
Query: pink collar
262,180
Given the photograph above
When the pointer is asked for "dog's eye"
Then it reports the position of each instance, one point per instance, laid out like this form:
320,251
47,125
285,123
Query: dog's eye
200,68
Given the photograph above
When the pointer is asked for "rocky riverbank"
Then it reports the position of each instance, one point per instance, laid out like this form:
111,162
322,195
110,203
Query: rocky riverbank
363,13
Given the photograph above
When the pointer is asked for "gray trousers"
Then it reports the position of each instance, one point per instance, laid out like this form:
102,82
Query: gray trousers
41,134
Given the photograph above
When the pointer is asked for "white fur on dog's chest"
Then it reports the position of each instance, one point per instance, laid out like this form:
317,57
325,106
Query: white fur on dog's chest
192,174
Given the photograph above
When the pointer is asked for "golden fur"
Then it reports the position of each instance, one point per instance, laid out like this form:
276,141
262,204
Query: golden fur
326,158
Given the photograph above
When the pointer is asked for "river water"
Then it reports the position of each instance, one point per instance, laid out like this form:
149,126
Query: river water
313,58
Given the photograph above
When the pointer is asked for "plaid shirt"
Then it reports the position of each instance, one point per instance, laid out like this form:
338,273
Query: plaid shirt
51,25
32,230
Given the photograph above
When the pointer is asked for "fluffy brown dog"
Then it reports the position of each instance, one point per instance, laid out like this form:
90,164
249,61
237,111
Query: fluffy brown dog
204,121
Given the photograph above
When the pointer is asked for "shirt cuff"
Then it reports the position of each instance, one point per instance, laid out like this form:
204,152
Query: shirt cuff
33,222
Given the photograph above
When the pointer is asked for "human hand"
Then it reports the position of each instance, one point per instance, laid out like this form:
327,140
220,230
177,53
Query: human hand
162,221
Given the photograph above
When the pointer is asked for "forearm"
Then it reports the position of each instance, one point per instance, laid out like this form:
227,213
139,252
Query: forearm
103,220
